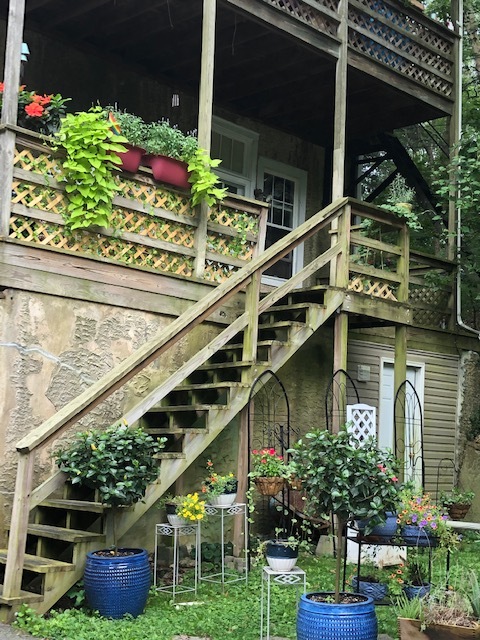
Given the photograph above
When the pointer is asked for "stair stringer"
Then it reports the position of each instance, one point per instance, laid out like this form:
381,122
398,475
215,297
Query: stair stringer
195,443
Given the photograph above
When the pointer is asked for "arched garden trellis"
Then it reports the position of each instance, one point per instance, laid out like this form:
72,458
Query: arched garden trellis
341,391
408,432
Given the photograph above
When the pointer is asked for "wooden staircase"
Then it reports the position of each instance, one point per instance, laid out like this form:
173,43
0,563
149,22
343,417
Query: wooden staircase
62,530
52,527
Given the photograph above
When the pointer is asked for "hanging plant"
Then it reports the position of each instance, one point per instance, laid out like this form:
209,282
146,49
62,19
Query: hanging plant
90,159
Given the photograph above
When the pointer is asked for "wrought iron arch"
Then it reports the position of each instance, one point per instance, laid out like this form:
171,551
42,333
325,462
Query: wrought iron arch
446,474
407,411
340,388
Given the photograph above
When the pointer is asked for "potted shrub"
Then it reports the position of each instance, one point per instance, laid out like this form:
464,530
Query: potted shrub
119,463
268,471
448,615
347,479
219,490
134,129
37,112
457,502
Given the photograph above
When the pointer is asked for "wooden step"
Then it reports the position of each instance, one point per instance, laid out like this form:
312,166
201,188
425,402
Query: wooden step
184,407
66,535
25,596
211,386
170,455
38,564
242,364
165,431
75,505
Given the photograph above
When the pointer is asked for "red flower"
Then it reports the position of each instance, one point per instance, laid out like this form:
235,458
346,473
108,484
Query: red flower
2,87
36,98
34,110
271,452
44,100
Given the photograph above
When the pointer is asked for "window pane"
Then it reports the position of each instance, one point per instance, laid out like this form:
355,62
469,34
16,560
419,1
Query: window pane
238,157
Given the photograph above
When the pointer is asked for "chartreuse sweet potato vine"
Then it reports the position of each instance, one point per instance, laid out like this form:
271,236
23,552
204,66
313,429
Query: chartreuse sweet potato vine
90,147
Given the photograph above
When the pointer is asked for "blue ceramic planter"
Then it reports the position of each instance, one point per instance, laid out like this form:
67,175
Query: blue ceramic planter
327,621
375,590
386,530
116,585
414,591
418,536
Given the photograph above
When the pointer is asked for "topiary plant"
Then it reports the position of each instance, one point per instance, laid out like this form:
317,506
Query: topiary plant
90,148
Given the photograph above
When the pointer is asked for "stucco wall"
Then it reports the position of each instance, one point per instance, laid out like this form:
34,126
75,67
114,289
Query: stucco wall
53,348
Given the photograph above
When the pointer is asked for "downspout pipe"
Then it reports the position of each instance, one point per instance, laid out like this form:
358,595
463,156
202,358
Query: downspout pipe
457,127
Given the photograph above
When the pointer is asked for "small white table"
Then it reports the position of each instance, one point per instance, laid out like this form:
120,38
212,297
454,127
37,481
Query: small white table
294,578
224,576
176,531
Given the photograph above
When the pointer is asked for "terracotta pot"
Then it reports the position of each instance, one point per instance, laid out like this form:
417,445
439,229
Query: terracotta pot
168,170
410,630
269,486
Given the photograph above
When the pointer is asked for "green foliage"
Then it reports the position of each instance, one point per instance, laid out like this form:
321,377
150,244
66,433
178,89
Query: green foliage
347,480
118,462
162,138
473,430
132,127
408,608
204,182
90,147
455,496
399,201
473,593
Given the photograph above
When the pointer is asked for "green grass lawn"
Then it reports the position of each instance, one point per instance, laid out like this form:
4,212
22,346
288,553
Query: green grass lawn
235,613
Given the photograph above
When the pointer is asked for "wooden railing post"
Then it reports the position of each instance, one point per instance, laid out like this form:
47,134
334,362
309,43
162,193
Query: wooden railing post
250,334
403,264
18,526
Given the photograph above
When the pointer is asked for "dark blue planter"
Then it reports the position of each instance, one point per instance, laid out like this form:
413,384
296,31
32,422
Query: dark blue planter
375,590
414,591
327,621
418,536
116,585
386,530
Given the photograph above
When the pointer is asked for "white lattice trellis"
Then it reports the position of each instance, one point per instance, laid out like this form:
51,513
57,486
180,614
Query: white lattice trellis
361,422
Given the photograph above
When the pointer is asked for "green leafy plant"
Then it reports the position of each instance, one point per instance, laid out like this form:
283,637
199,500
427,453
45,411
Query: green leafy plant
216,484
455,496
410,608
204,182
473,593
162,138
400,202
119,462
130,126
37,112
189,506
90,148
346,478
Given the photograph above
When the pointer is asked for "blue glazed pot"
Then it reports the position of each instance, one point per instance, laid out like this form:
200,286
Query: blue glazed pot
416,591
375,590
116,585
386,530
281,556
418,536
327,621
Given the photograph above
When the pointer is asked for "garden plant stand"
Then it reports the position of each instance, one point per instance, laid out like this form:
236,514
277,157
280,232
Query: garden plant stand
176,531
286,578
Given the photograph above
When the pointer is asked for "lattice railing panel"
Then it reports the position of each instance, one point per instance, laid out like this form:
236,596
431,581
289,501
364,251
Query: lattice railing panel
308,14
375,288
226,246
153,227
431,318
37,161
428,46
429,295
154,196
38,197
218,272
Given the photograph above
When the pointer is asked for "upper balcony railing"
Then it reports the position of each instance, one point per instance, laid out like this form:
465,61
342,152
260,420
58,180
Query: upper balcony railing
152,225
391,33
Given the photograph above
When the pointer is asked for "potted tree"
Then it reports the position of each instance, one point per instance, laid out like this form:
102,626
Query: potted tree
347,479
118,463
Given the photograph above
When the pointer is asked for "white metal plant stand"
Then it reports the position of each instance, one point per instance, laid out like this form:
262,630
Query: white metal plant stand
294,578
176,531
225,576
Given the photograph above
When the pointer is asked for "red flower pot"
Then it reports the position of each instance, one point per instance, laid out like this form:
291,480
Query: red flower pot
131,159
169,170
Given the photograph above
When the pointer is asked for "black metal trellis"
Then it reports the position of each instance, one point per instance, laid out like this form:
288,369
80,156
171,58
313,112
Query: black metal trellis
408,414
446,471
269,427
340,389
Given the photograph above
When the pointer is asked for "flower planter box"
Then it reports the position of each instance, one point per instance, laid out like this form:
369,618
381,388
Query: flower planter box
168,170
410,630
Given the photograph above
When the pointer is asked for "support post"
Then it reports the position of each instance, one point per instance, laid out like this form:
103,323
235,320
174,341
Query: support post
205,120
18,526
340,341
240,542
340,117
11,78
399,376
250,333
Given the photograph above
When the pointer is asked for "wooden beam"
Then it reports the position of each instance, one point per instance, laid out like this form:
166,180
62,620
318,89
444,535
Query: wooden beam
340,117
399,376
340,343
11,79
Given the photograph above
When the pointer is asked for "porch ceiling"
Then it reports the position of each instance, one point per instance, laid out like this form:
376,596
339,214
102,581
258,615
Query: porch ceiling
260,72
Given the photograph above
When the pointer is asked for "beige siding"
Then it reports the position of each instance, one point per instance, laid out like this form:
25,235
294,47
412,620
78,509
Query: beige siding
440,402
